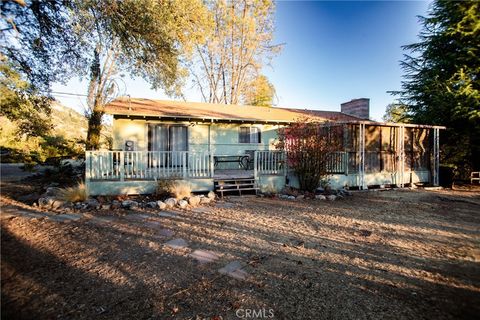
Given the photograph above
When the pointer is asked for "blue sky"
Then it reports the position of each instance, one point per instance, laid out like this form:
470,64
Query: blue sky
334,51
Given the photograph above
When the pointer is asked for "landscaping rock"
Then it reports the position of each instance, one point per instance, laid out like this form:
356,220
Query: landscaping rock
194,201
161,205
291,198
171,202
182,204
211,195
177,243
52,191
205,200
92,203
57,204
300,197
234,270
129,204
331,197
45,202
320,197
106,207
152,204
115,204
283,196
204,256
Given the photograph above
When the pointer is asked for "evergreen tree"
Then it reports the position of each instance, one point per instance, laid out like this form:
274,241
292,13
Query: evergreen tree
442,79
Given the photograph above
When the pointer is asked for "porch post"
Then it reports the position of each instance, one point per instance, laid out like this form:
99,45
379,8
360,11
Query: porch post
184,164
401,156
361,151
436,156
88,174
255,161
121,165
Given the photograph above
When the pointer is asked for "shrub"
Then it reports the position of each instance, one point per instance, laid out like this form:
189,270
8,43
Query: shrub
74,194
164,187
173,188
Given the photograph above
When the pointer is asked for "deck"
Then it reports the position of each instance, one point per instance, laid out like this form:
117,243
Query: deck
224,174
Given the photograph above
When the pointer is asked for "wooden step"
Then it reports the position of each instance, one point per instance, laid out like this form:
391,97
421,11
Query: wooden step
227,186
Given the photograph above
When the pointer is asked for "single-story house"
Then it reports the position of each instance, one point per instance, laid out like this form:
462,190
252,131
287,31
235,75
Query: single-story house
232,147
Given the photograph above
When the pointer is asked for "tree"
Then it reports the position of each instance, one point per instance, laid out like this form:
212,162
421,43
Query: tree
21,102
237,47
396,112
442,79
259,92
309,145
144,38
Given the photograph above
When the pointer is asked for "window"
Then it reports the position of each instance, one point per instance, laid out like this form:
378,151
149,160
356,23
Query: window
249,135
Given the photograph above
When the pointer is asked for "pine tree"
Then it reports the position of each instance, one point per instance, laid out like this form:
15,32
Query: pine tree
442,79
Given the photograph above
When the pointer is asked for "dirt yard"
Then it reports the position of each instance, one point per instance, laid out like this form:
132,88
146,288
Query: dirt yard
374,255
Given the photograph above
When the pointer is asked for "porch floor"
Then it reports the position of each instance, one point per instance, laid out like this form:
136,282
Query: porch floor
223,174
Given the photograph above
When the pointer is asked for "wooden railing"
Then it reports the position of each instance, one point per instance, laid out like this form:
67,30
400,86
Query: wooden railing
147,165
269,163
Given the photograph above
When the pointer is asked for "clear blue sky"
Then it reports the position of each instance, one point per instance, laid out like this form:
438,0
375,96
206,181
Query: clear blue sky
334,51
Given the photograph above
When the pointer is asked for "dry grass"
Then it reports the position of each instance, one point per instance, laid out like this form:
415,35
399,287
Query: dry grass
180,189
74,194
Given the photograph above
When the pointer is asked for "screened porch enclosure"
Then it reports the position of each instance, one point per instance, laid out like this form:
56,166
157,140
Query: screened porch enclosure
395,150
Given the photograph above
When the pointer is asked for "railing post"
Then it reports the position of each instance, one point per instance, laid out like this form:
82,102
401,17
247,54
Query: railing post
121,165
212,164
184,164
255,161
88,173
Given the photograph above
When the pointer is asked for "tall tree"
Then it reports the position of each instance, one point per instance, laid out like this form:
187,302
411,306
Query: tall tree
396,112
442,79
259,92
240,43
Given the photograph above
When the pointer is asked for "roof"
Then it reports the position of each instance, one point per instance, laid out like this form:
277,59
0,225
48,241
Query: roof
216,112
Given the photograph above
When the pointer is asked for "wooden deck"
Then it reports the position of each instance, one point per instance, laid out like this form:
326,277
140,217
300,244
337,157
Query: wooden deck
232,174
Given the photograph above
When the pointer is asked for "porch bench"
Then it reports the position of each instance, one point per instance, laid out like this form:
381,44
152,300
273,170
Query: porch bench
242,160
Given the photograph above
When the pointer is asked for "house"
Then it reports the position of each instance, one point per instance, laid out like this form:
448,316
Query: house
228,147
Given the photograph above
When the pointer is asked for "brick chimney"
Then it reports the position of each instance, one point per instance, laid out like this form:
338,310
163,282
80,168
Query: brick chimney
357,107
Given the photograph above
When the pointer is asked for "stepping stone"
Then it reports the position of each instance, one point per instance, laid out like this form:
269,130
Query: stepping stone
178,243
166,233
202,210
153,224
32,215
102,219
168,214
137,217
224,205
203,256
233,269
65,217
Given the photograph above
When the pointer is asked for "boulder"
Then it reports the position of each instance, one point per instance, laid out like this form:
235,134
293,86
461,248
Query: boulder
182,204
291,198
115,204
211,195
194,201
151,204
106,206
171,202
52,191
57,204
283,196
205,200
129,204
161,205
300,197
320,197
92,203
45,202
331,197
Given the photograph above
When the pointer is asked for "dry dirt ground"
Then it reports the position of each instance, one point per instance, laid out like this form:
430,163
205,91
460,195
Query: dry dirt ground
375,255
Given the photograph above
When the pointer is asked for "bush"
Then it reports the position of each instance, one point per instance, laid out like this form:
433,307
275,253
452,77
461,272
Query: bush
173,188
76,193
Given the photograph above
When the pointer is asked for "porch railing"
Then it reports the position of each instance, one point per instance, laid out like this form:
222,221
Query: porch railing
269,163
147,165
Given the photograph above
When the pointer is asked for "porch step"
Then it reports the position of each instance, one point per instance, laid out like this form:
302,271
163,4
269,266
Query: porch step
235,185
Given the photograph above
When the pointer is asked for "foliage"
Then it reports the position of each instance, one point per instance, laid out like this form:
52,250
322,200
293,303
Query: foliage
309,145
237,47
164,186
397,113
259,92
20,101
179,189
76,193
442,83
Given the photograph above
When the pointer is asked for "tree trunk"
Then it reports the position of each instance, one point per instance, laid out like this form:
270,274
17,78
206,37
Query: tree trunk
94,130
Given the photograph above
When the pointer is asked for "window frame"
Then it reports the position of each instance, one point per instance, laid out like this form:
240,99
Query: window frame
246,138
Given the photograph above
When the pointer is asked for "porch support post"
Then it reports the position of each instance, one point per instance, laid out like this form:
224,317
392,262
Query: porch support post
184,164
361,152
436,156
121,165
88,174
401,156
345,150
255,161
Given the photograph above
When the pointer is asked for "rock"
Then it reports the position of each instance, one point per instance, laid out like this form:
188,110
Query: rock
115,204
92,203
211,195
283,196
194,201
291,198
57,204
129,204
182,204
205,200
161,205
54,184
151,204
52,191
331,197
300,197
171,202
45,202
106,207
320,197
